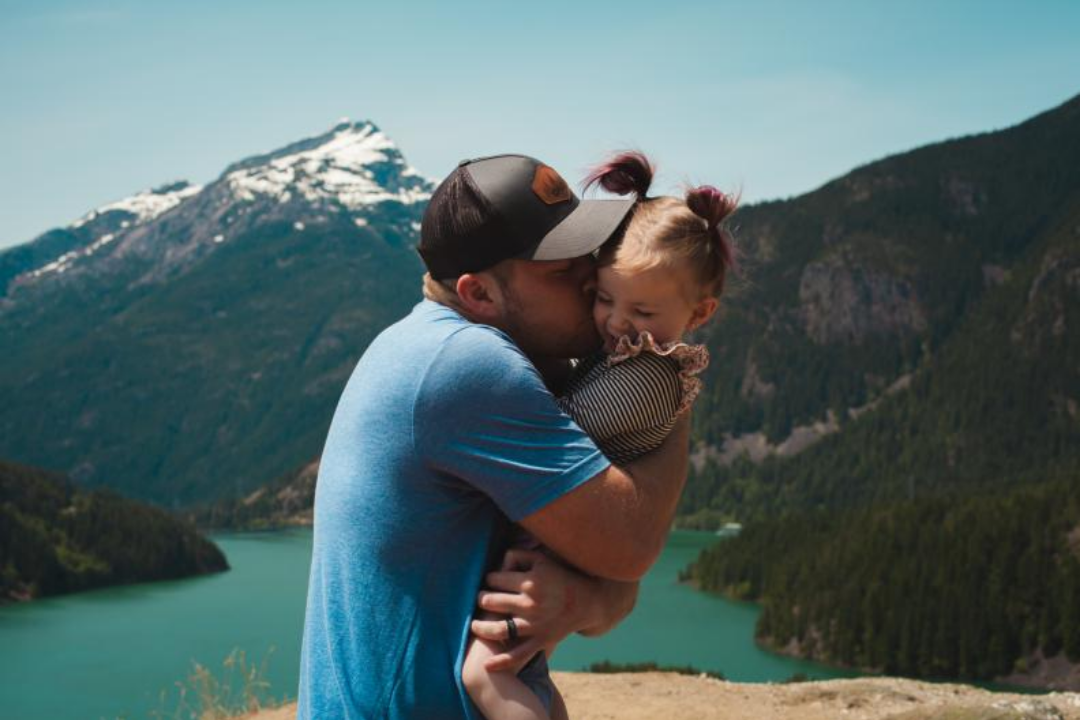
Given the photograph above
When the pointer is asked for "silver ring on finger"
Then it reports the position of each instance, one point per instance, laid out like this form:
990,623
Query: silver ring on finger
511,629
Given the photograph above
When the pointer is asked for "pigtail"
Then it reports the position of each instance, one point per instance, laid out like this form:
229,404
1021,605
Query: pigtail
625,173
666,231
713,206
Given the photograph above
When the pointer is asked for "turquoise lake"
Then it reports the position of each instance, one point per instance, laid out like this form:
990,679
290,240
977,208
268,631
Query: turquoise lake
113,653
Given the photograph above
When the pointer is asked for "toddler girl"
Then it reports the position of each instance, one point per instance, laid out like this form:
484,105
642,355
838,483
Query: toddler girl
660,278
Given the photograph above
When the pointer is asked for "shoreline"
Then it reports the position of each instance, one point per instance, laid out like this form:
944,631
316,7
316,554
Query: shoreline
644,696
1043,675
23,597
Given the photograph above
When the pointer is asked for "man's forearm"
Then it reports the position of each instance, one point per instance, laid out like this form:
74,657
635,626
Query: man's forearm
659,478
615,525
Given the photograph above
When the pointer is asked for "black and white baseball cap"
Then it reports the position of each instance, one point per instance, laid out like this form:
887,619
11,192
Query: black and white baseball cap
510,206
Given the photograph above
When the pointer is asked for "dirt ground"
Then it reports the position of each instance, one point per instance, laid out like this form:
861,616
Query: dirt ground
666,696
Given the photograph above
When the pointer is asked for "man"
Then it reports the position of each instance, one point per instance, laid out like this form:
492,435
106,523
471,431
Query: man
444,431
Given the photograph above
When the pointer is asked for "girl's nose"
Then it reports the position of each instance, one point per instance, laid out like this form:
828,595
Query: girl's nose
619,325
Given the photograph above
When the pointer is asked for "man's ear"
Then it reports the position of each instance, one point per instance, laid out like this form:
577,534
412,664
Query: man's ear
702,312
480,296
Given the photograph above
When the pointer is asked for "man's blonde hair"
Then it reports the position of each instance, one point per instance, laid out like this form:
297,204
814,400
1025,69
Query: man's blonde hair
445,291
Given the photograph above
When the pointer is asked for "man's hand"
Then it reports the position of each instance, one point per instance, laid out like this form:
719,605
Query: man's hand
547,601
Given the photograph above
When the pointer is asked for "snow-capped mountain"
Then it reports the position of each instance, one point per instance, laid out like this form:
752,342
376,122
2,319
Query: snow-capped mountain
352,171
189,336
354,166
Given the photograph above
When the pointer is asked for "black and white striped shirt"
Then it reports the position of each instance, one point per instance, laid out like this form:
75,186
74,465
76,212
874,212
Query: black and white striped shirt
630,405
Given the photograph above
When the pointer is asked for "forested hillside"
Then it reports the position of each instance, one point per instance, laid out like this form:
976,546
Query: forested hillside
190,343
924,310
55,539
966,587
287,500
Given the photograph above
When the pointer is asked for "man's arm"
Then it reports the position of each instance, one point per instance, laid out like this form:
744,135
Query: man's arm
482,414
614,525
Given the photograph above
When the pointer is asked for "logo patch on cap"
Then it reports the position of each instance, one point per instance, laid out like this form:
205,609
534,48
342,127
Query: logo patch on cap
549,186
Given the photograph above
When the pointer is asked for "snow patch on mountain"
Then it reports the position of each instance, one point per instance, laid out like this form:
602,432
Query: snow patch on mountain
147,205
144,206
340,169
62,263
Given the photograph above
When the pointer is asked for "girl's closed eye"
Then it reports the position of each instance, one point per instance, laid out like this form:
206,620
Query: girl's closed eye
644,313
603,299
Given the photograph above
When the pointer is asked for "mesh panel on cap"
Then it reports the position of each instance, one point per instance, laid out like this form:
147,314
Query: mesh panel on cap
461,231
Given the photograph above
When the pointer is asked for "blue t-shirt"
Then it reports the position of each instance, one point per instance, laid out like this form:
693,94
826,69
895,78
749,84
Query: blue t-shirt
443,429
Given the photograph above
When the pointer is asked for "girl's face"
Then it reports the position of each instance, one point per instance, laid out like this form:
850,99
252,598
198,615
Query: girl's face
653,300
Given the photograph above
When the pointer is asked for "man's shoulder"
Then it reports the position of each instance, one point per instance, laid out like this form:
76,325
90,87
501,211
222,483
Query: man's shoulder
458,344
443,352
440,323
479,357
469,361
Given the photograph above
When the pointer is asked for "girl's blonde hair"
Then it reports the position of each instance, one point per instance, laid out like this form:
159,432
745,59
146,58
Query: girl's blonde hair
667,231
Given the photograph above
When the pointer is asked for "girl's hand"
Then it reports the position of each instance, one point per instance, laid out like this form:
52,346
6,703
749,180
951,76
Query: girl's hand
547,601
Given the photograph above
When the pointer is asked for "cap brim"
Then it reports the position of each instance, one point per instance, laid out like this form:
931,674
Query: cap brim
584,230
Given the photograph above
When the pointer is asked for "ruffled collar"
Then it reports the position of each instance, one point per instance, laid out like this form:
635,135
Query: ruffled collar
691,360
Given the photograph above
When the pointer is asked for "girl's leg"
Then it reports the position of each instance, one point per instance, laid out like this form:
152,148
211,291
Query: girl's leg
558,707
499,695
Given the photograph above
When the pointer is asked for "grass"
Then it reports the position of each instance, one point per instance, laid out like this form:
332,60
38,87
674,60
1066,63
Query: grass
241,688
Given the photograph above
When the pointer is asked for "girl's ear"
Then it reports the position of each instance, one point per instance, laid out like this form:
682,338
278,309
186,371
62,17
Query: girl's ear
702,312
479,296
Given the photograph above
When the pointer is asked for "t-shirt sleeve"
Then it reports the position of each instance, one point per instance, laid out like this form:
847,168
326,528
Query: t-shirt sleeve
482,414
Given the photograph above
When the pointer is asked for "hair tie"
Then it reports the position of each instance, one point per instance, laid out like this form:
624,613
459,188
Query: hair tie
710,204
625,173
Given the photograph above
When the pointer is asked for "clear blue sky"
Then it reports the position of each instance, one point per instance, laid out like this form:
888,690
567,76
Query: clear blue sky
101,99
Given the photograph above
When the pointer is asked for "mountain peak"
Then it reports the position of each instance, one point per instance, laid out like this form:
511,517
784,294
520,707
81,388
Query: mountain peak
352,165
347,123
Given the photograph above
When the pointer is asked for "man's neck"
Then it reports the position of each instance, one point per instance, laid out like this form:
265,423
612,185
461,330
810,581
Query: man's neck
554,371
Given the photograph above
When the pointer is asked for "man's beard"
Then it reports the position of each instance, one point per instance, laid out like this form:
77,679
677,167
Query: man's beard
541,342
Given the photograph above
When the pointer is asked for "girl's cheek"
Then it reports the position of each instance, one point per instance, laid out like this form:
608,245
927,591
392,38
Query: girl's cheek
664,331
599,316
